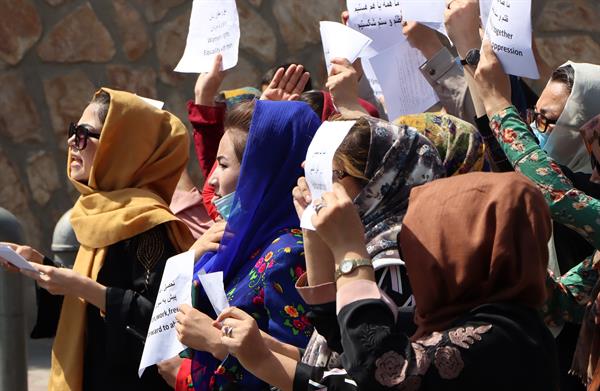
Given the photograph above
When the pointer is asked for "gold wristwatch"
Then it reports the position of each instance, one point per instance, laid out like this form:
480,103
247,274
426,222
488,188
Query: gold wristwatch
347,266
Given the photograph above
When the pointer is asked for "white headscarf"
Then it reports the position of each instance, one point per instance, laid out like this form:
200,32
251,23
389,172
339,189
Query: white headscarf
565,144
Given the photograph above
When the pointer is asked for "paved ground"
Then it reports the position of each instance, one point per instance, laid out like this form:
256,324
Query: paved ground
38,352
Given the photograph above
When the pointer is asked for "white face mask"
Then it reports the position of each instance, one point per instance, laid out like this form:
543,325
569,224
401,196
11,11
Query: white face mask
542,137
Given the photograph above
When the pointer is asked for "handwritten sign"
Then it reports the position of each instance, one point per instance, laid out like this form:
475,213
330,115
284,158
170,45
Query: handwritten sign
379,20
318,167
175,289
10,256
405,89
342,41
509,31
214,29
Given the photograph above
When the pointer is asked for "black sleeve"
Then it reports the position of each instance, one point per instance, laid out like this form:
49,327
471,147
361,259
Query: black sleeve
48,310
496,156
309,378
130,299
325,321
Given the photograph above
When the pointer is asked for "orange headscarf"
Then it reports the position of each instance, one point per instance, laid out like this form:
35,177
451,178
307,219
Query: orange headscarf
140,157
474,239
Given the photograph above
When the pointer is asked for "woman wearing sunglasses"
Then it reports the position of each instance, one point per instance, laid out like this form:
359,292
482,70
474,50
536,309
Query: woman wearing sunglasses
125,158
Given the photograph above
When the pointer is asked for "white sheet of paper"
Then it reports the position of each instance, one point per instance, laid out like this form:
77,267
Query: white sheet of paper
214,28
175,289
509,30
215,290
431,11
372,78
342,41
319,163
9,255
153,102
405,89
379,20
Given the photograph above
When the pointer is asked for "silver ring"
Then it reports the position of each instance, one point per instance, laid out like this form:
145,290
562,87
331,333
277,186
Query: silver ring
320,206
227,331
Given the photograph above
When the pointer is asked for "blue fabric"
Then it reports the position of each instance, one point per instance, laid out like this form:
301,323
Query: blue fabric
280,133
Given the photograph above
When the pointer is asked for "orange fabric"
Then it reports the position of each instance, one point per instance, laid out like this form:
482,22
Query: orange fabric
473,239
141,155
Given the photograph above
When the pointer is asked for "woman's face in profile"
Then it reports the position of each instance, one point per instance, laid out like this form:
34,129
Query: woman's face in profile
226,175
81,160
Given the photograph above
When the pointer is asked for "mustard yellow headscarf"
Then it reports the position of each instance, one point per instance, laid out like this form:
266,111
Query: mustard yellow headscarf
140,157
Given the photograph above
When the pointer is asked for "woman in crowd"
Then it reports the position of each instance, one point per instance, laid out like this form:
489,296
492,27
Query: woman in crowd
378,163
125,158
261,254
482,310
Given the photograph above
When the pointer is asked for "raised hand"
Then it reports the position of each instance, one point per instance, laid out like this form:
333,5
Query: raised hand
208,84
492,82
287,84
422,38
210,240
462,22
342,83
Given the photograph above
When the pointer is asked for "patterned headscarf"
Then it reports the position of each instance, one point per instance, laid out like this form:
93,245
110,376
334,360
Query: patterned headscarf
399,159
234,97
458,142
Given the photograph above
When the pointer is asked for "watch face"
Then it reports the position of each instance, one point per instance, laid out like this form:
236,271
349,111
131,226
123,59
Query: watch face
473,57
346,266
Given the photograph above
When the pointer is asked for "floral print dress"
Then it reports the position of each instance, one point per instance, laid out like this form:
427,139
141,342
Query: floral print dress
570,292
265,289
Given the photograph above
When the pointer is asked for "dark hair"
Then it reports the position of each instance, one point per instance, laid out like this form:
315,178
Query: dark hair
565,75
102,100
315,100
268,76
353,153
237,122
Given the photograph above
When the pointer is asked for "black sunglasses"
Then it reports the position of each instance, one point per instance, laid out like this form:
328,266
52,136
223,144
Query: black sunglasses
81,133
541,121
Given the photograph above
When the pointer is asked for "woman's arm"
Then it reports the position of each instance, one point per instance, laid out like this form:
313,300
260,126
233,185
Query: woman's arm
569,294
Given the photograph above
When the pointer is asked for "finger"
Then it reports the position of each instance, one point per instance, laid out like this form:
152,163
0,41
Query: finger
8,266
31,274
301,83
11,245
340,192
329,198
232,312
179,317
185,308
294,78
287,76
341,61
299,197
277,78
304,189
217,64
345,17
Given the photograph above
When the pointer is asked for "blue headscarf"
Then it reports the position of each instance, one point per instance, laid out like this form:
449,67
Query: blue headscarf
280,133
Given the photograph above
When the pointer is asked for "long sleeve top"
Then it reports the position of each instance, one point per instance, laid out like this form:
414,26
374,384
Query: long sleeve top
496,346
114,341
568,205
207,122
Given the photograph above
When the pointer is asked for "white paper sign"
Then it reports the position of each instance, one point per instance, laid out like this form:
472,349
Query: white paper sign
342,41
379,20
175,289
431,11
318,167
214,28
215,290
405,89
509,30
9,255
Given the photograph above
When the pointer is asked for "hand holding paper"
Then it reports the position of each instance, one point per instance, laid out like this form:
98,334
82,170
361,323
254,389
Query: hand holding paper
342,41
318,167
13,258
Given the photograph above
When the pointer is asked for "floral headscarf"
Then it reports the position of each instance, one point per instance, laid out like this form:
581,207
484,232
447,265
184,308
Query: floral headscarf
458,142
399,159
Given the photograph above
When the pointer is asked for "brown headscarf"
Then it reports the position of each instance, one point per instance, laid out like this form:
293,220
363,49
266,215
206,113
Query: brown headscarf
141,155
474,239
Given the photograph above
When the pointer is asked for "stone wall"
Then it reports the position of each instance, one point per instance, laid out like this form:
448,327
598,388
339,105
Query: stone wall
55,53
